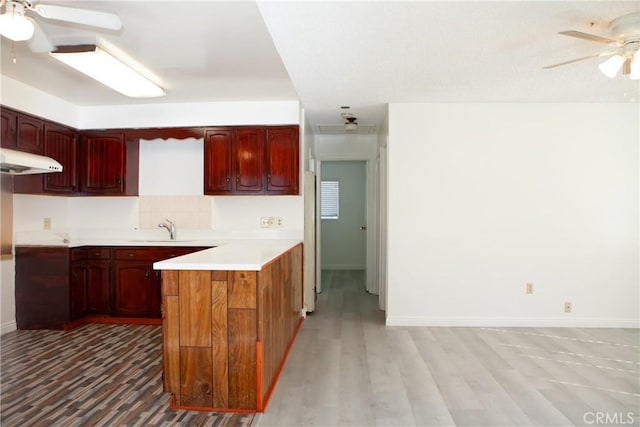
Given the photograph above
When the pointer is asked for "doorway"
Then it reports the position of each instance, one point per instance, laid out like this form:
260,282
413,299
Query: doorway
343,215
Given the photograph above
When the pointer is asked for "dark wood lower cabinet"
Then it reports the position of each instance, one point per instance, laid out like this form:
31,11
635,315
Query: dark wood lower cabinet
78,291
133,289
42,287
58,286
98,287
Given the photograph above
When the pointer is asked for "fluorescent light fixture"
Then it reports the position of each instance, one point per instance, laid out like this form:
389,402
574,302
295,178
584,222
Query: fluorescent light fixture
611,66
635,66
14,25
101,66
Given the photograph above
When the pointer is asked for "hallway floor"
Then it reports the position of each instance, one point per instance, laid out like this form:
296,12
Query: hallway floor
347,369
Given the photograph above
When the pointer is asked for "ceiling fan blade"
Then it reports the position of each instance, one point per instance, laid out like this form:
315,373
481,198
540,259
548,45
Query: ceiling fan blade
39,43
93,18
591,37
580,59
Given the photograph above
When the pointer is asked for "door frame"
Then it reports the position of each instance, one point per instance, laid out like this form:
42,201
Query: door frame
372,209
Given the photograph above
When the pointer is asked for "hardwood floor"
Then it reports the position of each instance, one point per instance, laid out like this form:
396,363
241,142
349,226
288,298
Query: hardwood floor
94,375
347,369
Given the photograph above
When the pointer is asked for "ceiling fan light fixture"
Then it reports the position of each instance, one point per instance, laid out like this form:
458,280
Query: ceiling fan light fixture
105,68
14,25
611,66
351,123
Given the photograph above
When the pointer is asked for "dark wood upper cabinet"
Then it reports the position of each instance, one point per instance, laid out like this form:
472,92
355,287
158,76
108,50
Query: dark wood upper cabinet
21,131
218,172
29,135
283,159
248,155
8,123
251,160
103,159
60,143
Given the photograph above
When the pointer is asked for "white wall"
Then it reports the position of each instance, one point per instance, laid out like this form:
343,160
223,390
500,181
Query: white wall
191,114
383,136
7,296
30,100
484,198
345,147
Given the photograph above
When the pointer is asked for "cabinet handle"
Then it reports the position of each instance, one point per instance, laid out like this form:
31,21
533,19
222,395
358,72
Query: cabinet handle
131,254
97,254
146,274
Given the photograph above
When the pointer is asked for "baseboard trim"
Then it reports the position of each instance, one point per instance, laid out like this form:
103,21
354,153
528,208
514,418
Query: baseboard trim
8,327
513,322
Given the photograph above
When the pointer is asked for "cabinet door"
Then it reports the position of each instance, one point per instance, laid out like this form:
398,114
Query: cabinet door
78,290
282,160
8,128
218,171
103,159
248,151
29,136
60,144
132,289
98,275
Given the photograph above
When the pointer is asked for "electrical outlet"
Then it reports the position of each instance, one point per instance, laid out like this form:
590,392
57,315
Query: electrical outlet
529,288
266,222
279,222
567,307
47,223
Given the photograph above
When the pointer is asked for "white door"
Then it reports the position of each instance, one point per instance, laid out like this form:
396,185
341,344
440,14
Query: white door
343,236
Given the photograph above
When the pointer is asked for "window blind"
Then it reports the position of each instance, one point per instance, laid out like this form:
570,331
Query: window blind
329,199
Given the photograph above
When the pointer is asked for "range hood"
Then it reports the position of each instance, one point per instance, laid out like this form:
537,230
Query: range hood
19,163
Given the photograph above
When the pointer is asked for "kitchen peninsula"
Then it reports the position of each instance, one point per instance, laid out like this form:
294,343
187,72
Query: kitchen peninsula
229,316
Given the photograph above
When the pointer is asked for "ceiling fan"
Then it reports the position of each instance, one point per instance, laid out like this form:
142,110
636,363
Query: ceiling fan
625,44
351,123
17,25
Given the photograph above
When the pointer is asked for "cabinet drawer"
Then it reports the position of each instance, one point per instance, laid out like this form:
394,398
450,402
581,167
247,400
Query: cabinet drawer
84,253
166,253
154,253
141,254
98,253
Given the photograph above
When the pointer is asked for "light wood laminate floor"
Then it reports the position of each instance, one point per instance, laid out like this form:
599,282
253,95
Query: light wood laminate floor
347,369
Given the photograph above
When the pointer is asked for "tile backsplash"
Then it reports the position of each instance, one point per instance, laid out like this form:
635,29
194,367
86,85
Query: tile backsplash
192,212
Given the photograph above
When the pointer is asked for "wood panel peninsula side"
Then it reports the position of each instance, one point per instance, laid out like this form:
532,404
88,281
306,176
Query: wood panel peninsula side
229,317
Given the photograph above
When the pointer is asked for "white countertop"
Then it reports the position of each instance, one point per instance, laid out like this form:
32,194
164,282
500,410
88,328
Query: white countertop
246,254
228,249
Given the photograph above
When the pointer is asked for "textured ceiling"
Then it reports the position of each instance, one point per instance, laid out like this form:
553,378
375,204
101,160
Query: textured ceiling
332,53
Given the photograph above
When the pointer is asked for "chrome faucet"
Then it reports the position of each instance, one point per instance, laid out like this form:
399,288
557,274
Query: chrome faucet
171,227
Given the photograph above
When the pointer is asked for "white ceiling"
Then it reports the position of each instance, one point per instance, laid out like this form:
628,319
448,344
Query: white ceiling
364,54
